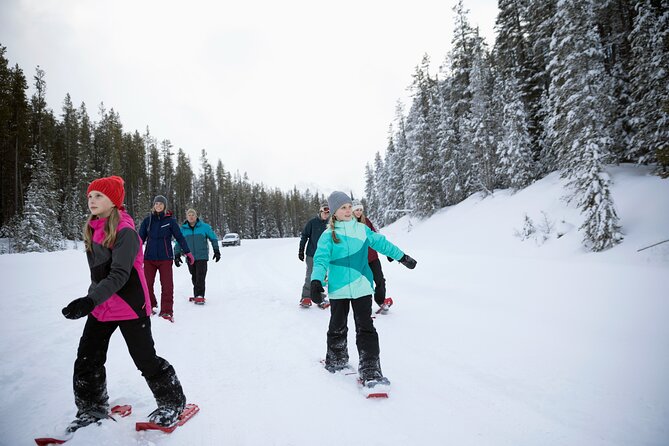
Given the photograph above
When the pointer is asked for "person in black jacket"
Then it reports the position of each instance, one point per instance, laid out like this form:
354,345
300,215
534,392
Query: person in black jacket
310,235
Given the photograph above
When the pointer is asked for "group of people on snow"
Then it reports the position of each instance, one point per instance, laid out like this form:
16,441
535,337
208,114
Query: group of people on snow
192,241
341,253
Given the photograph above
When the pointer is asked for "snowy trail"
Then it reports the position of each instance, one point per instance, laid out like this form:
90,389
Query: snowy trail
529,346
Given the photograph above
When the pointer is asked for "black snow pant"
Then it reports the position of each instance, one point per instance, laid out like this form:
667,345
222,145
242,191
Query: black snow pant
366,338
90,379
379,282
198,274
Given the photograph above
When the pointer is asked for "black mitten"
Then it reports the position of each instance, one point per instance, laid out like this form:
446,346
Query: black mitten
390,259
300,255
408,262
178,261
316,290
79,308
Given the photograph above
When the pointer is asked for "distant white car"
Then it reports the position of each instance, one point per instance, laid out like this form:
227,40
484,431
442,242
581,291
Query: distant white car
231,239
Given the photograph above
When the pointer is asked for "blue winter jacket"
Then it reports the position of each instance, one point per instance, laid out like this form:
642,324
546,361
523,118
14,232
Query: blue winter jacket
345,263
197,237
157,231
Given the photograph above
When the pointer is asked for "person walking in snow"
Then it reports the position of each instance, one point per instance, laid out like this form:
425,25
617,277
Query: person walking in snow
117,298
374,263
157,231
342,255
310,234
196,232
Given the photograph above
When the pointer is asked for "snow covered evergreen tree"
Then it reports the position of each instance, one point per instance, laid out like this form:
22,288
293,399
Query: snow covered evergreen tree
648,113
480,125
457,175
514,152
39,229
370,190
540,23
381,187
423,187
579,119
396,163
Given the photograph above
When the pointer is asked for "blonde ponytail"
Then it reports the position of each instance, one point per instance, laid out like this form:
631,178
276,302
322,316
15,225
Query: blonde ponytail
332,228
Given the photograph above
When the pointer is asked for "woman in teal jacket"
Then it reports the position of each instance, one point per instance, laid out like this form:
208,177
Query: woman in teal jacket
197,233
342,256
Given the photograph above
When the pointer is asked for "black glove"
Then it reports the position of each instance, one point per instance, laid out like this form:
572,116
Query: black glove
316,290
217,255
300,255
390,259
79,308
178,261
408,262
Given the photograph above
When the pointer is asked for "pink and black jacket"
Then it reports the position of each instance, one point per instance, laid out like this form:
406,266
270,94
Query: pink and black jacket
118,286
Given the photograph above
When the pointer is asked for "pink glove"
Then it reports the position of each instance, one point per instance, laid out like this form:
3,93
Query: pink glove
189,258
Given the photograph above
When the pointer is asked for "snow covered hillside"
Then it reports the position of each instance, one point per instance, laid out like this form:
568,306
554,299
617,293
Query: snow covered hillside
491,341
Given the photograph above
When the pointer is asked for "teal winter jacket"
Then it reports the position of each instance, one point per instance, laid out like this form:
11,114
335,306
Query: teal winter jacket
345,263
196,237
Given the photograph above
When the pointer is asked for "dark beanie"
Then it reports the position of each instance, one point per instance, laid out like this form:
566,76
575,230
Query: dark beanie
337,199
160,199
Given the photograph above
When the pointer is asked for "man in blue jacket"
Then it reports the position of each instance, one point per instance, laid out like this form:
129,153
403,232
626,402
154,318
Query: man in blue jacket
197,233
157,231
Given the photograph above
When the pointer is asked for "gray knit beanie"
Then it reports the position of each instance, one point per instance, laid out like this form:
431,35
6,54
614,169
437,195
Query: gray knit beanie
337,199
160,199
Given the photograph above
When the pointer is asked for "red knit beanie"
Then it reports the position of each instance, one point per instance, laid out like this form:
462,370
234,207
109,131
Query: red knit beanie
112,187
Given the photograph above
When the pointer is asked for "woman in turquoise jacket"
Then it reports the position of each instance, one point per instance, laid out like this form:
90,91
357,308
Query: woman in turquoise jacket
342,256
197,233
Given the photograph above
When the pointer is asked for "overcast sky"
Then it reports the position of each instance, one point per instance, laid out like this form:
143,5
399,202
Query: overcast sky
293,92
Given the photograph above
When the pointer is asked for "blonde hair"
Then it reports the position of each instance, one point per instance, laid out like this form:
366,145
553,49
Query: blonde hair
191,211
110,230
332,227
362,218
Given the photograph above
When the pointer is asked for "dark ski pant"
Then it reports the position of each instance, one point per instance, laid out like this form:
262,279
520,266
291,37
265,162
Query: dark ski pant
198,274
90,378
166,283
379,282
366,338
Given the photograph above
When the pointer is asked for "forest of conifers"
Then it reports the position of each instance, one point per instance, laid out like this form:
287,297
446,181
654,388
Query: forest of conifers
568,86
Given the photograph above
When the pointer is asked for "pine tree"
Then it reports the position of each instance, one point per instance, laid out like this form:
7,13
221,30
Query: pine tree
540,24
397,162
39,228
381,186
647,113
424,187
370,190
479,125
514,152
153,165
458,173
167,177
14,139
102,143
65,155
579,119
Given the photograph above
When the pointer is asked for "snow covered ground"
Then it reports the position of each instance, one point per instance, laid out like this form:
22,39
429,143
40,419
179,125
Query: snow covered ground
491,341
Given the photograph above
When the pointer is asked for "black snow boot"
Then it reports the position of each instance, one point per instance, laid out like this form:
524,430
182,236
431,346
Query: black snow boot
167,390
